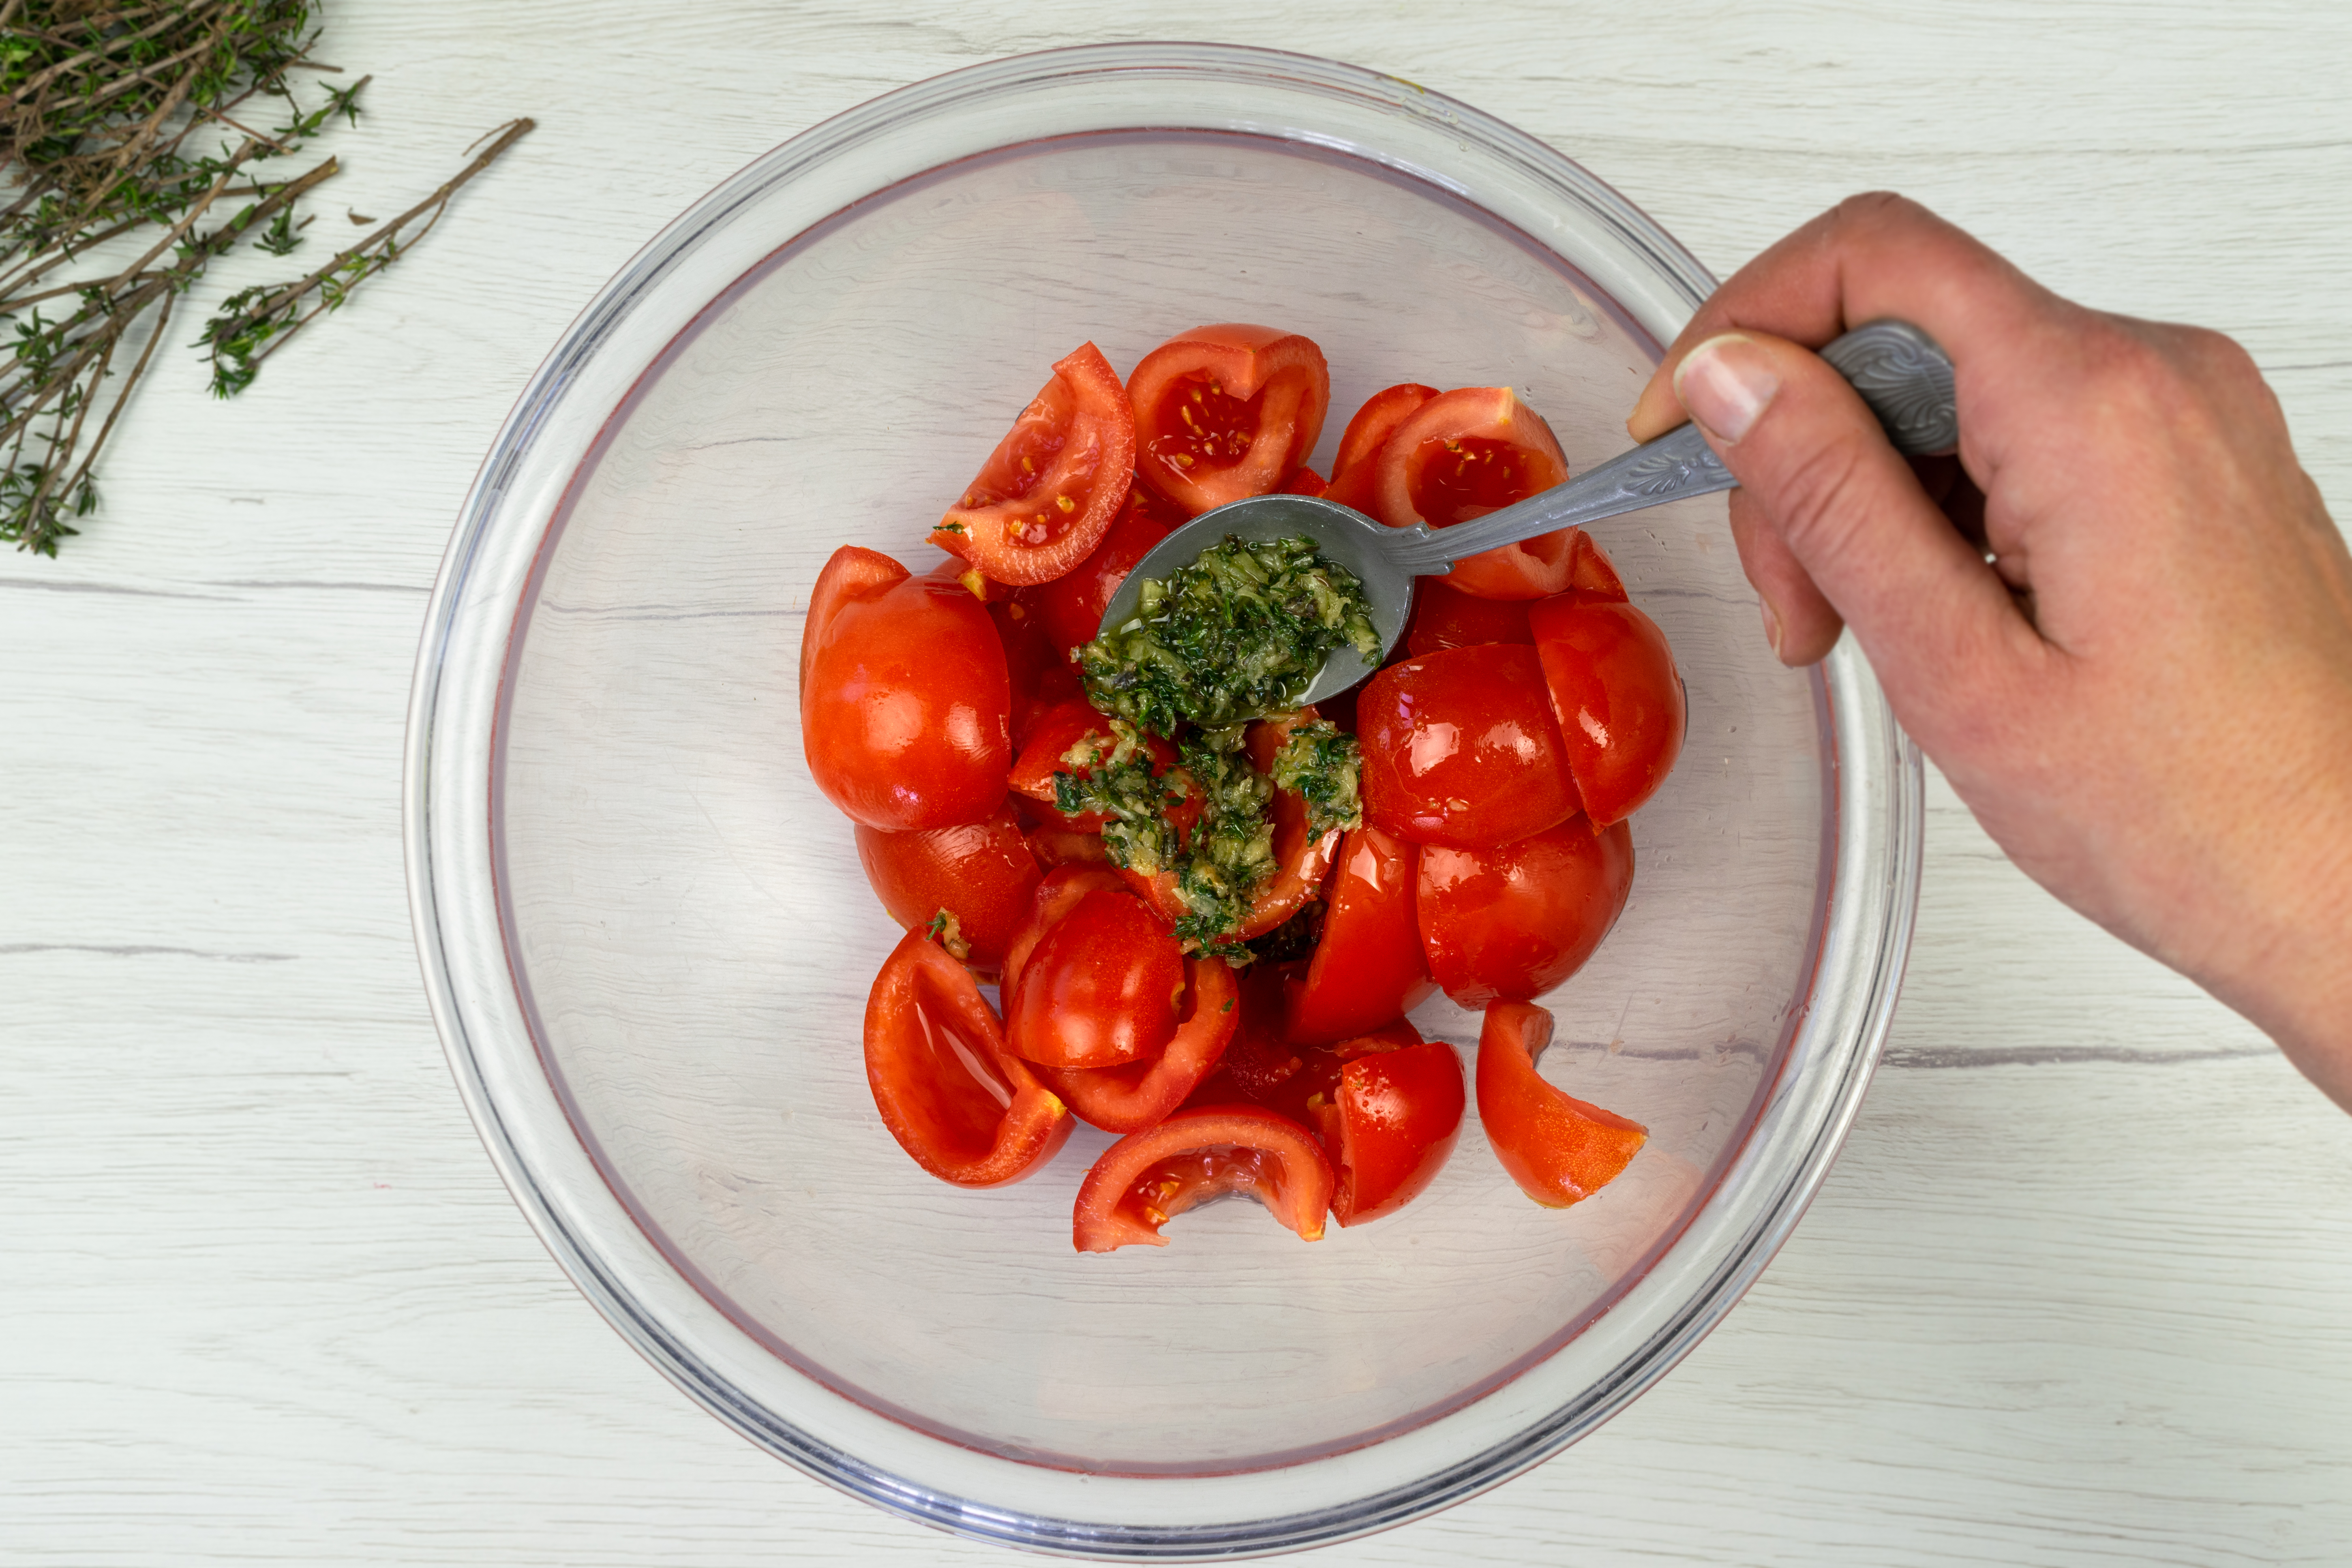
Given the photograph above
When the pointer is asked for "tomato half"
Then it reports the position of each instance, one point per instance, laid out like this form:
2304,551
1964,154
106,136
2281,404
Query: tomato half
1559,1149
1515,921
1368,966
1141,1094
1226,411
965,1110
905,697
1100,988
1302,855
1047,494
1146,1179
1352,472
1462,455
1069,609
1460,747
1618,700
981,873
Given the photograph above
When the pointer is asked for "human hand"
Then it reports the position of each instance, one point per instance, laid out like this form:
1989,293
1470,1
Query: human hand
2121,622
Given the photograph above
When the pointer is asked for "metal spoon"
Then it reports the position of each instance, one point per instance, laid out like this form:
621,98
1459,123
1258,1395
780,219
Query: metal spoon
1900,372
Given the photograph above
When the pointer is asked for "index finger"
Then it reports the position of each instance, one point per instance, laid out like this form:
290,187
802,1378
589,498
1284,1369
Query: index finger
1868,257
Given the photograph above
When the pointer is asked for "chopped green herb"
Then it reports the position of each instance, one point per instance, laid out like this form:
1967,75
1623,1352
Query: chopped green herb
1118,782
1230,853
1240,633
1320,763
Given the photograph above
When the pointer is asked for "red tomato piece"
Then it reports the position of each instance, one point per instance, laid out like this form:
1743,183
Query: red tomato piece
905,697
1146,1179
1226,411
1040,676
1051,737
965,1110
1460,747
1355,471
1302,855
1100,988
1398,1115
1069,609
1257,1060
983,873
1057,846
1368,966
1589,574
1047,494
1462,455
1515,921
1141,1094
1303,481
1445,616
1056,895
1559,1149
1618,699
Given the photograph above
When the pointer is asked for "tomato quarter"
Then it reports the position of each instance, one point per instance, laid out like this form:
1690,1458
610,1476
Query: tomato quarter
1462,455
1100,988
1460,747
1226,411
983,873
1514,921
1559,1149
1047,494
1139,1094
1146,1179
1618,700
1368,965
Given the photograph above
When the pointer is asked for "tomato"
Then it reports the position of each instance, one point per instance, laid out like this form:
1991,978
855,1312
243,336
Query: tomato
1515,921
947,1091
1302,855
1556,1147
1368,966
1367,433
1462,455
1059,732
981,873
1618,699
1139,1094
1227,411
1069,609
1055,896
905,698
1257,1060
1148,1178
1445,616
1055,845
1100,988
1460,747
1047,494
1398,1114
1589,574
1039,676
1303,481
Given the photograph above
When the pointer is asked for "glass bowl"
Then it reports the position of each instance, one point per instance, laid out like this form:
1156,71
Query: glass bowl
648,942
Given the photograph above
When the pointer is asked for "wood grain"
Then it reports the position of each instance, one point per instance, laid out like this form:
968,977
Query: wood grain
2074,1293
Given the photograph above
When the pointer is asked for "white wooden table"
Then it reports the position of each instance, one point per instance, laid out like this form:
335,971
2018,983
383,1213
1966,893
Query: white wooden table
2079,1292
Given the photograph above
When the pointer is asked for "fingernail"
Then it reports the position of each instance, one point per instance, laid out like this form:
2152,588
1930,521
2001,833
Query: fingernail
1726,383
1771,628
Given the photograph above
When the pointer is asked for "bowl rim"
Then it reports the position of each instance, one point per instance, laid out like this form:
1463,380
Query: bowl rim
441,815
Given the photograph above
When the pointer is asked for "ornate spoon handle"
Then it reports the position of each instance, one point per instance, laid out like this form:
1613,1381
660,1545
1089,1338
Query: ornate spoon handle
1899,371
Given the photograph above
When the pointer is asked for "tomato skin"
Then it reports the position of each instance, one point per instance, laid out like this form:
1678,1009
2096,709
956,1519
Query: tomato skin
1513,921
1148,1178
983,873
1399,1114
1056,895
1040,676
1462,455
1256,396
1051,737
1100,988
1460,748
1055,846
905,698
1069,609
1353,469
975,1117
1559,1149
1047,494
1303,481
1369,966
1445,616
1141,1094
1618,697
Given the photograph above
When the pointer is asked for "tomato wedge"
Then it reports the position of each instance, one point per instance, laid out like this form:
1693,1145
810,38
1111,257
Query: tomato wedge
1445,616
1368,966
1618,700
1057,732
1460,747
1462,455
1556,1147
981,873
1515,921
1141,1094
1226,411
1353,470
905,697
1148,1178
1069,609
1100,988
1047,494
1398,1114
1303,481
966,1110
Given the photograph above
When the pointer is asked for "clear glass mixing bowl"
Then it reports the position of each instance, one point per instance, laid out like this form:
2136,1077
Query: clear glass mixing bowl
648,942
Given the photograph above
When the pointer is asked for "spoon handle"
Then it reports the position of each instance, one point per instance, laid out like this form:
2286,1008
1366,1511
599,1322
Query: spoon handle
1900,372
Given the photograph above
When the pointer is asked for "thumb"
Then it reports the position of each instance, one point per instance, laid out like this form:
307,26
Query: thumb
1816,468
